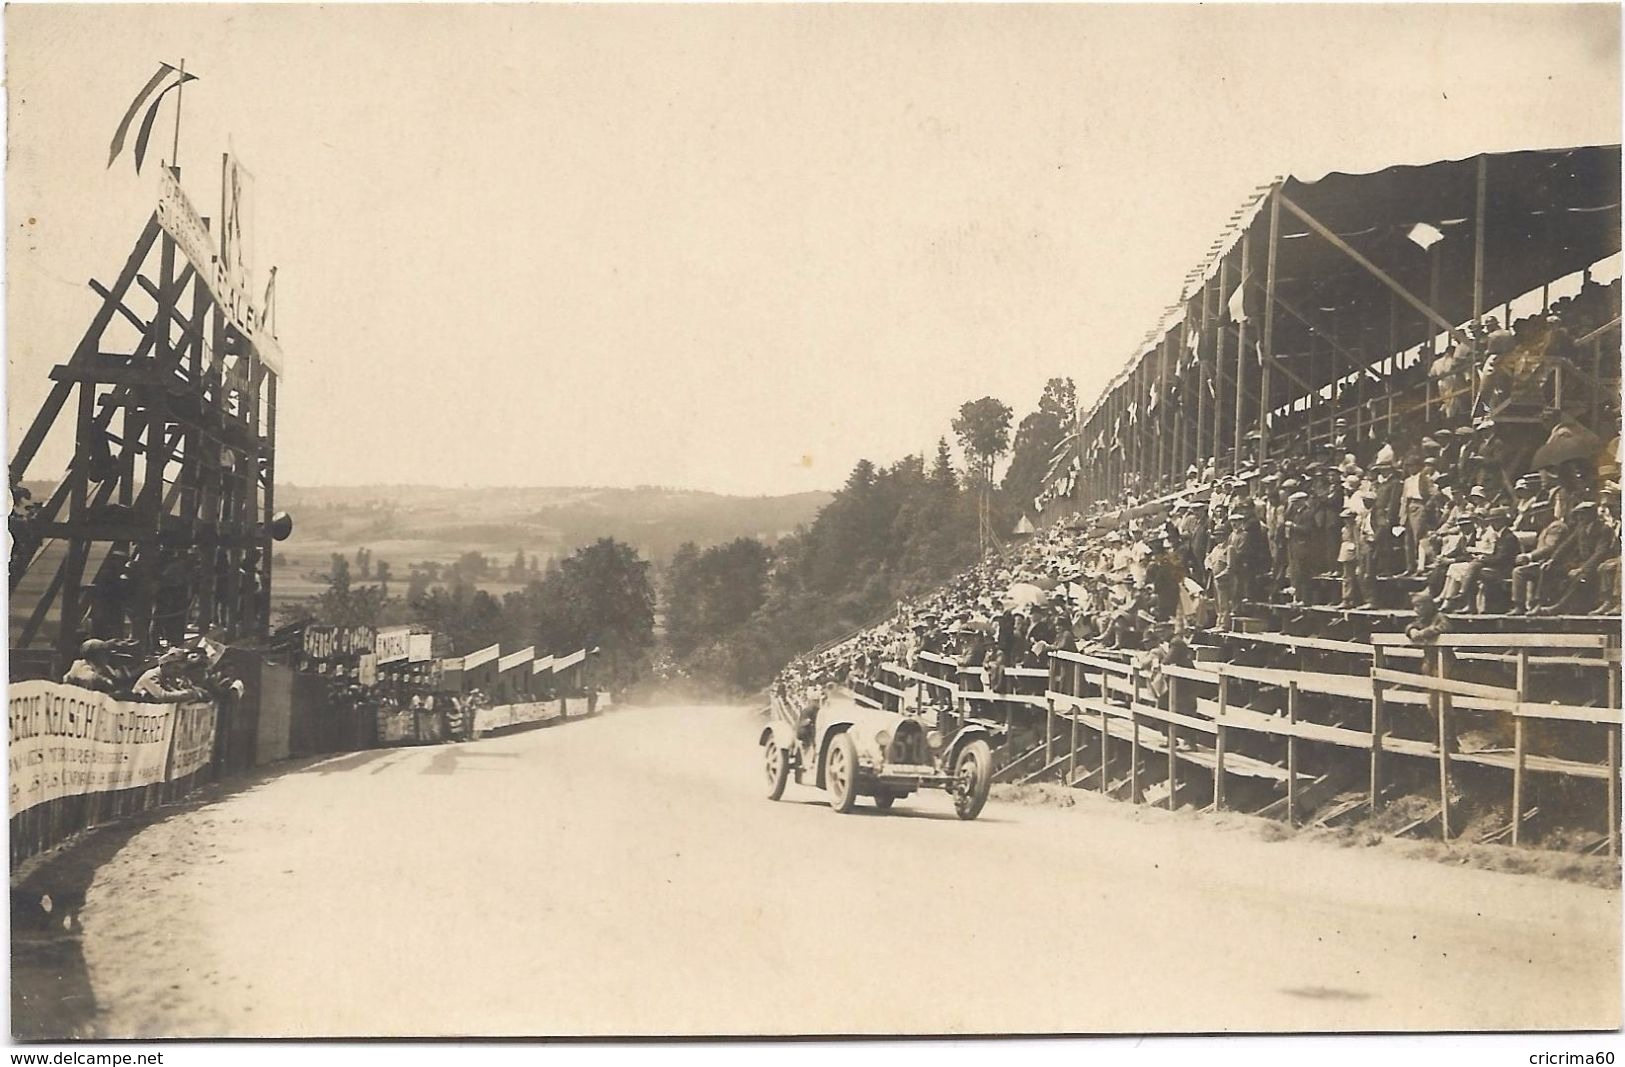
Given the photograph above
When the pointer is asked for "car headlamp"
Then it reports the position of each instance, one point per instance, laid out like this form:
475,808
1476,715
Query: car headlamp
934,739
883,739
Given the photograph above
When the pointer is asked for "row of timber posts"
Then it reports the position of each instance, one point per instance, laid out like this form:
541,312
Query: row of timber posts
1072,678
1223,382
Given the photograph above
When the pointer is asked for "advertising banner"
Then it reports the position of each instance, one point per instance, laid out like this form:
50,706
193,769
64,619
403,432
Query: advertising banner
194,737
488,719
396,725
65,741
420,648
339,642
224,278
394,644
504,715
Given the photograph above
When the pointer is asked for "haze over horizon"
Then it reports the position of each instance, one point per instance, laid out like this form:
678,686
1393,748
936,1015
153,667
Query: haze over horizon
729,249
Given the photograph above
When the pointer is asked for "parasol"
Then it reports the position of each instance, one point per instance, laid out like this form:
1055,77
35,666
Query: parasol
1024,595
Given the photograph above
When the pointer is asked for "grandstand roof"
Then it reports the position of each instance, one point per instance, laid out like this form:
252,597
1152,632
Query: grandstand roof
1548,213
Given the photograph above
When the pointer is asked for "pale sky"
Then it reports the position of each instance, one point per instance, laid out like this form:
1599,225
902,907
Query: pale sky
729,248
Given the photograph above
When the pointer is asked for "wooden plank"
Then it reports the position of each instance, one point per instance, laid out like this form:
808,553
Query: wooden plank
1319,644
1446,739
1191,674
1523,640
1567,712
1613,792
1218,745
1049,731
1447,686
1292,755
1093,661
1377,695
1518,747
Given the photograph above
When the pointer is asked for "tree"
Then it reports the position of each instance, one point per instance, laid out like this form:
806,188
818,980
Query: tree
682,599
342,604
983,428
942,468
711,594
470,618
516,571
1037,439
380,572
600,597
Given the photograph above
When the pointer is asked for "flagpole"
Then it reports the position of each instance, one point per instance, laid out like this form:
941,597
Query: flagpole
175,148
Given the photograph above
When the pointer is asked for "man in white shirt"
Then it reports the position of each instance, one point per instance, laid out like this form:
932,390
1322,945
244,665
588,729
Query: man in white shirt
166,682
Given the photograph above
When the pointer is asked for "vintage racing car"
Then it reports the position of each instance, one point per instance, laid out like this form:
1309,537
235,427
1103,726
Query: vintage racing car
852,750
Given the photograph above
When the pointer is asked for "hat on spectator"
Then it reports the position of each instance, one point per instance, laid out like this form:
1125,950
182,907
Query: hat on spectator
1478,490
94,647
1586,506
178,655
1300,495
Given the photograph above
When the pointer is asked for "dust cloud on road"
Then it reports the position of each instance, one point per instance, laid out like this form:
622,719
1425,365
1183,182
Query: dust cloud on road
626,875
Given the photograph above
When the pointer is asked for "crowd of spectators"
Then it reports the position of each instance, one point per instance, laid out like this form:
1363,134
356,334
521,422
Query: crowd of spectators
172,675
1477,510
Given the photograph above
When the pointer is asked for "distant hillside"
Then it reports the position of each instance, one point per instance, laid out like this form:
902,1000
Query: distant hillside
409,522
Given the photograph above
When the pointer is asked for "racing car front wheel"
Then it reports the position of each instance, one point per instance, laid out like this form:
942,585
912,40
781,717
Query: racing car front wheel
973,771
778,770
841,773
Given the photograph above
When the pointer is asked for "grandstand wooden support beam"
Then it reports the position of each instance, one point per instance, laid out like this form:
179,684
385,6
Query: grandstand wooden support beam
1221,335
1203,379
1479,214
1614,738
1445,703
1479,219
1265,396
1371,268
1292,754
1519,751
1241,350
87,346
1377,686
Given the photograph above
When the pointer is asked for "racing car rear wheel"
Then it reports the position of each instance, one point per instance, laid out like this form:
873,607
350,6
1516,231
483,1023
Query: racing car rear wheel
884,801
973,771
778,770
841,773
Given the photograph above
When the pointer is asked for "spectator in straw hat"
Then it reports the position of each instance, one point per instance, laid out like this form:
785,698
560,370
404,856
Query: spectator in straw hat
1299,534
93,669
1608,570
166,682
1573,572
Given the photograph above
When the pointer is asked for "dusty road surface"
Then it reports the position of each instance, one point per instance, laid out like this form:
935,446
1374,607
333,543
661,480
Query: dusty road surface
625,875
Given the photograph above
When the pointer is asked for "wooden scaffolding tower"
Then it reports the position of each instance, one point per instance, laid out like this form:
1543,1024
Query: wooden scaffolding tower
162,521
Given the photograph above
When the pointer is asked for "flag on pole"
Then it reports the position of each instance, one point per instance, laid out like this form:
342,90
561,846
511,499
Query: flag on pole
1237,304
1425,236
151,95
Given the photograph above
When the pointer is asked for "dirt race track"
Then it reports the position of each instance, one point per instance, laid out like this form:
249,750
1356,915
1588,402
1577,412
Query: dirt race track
626,875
